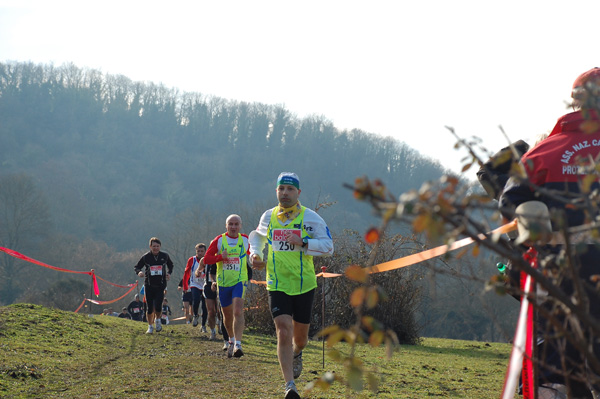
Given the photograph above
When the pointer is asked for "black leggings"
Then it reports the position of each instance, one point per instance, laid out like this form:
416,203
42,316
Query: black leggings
154,298
197,299
223,329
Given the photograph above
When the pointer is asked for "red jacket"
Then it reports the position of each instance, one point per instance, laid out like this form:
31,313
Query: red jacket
187,273
556,164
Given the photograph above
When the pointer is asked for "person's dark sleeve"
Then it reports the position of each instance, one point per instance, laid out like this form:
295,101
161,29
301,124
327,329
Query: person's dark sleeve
211,274
515,193
169,264
494,174
140,265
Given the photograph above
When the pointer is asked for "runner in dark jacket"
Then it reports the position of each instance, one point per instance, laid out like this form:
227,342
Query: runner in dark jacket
136,309
156,266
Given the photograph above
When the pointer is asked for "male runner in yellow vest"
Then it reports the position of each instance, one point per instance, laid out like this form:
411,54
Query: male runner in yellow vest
294,234
229,251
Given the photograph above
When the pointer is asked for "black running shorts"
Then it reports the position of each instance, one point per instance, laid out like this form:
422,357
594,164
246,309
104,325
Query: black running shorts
297,306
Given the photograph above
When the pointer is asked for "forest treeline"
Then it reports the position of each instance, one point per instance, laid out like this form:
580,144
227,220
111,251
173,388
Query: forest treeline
116,161
107,149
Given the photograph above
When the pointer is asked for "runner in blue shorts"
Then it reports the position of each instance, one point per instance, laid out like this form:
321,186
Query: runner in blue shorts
229,251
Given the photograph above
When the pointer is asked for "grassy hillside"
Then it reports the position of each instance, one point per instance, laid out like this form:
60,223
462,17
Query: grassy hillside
54,354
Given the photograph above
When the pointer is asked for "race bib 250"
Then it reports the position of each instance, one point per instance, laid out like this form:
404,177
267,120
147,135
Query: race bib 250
280,237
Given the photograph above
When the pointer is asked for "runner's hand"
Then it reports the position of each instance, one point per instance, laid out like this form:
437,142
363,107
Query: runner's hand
256,262
141,273
294,239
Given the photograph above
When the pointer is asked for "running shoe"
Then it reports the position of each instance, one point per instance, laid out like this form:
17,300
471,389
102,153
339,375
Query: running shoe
195,322
158,325
225,346
203,329
150,329
297,365
238,352
230,350
291,392
213,335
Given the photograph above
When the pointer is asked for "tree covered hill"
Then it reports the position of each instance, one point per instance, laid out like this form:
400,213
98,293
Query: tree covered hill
93,165
117,160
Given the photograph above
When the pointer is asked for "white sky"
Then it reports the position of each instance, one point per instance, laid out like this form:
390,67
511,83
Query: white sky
396,68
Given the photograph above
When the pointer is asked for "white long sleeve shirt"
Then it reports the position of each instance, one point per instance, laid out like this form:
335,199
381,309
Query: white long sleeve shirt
319,243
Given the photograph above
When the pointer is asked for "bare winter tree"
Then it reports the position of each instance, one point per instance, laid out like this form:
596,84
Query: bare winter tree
24,220
551,193
566,267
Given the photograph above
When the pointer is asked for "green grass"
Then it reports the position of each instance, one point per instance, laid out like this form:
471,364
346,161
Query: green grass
56,354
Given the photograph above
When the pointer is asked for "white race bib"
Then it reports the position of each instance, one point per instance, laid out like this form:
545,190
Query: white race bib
232,264
280,243
156,270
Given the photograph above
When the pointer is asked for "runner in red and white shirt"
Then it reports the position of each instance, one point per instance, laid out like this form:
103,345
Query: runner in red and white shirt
194,278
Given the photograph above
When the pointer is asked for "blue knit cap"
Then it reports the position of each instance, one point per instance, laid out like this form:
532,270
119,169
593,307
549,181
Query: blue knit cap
288,178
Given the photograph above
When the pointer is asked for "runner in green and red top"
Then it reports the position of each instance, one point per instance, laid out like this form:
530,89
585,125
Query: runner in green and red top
294,235
229,252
